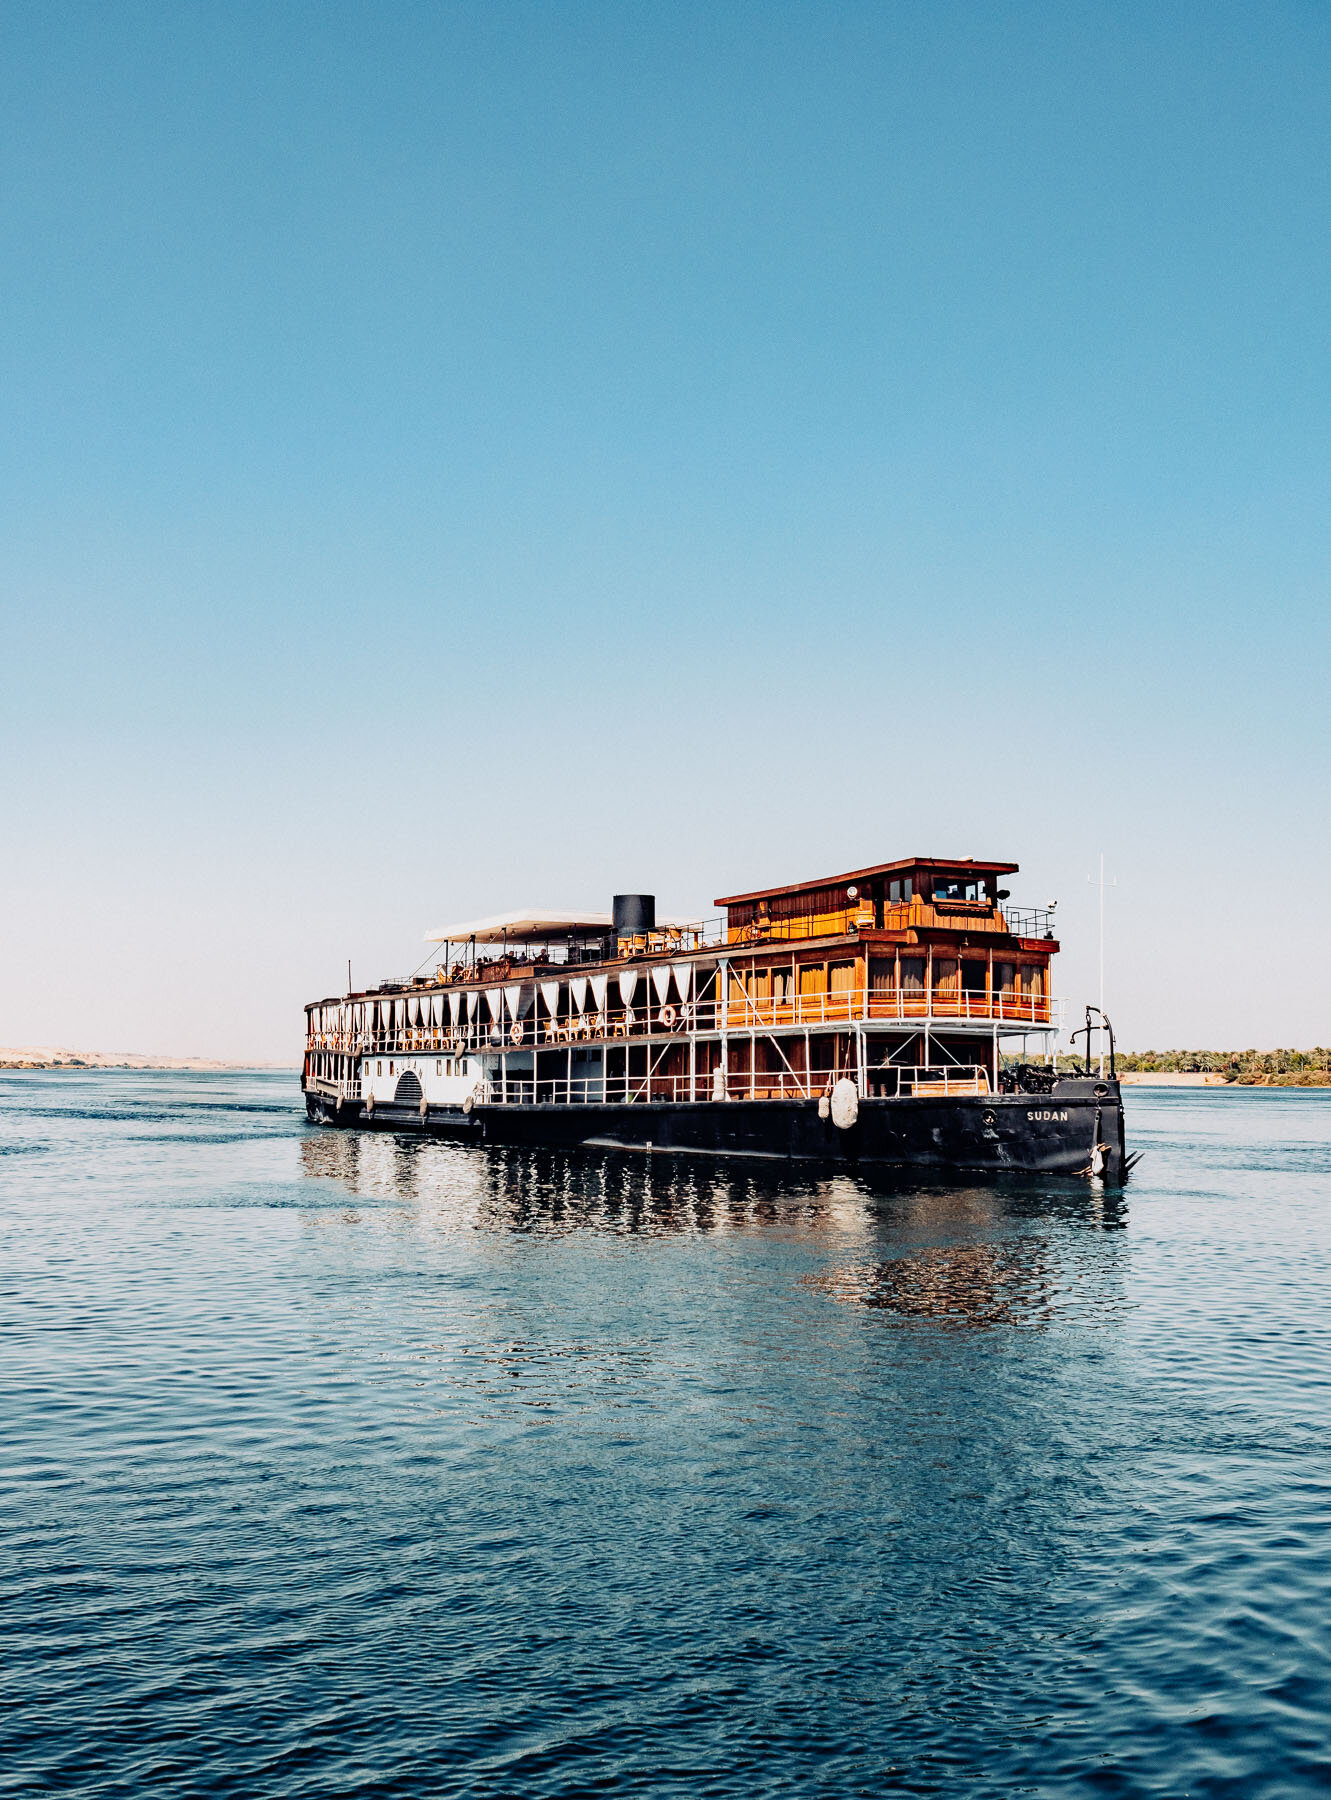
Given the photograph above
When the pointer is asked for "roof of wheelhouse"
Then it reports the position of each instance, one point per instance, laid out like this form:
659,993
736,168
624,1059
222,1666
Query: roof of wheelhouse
957,864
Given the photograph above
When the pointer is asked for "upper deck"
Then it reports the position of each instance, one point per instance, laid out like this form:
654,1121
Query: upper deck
918,940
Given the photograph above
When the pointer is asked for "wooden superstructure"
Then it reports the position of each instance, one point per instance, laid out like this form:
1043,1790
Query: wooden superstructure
902,977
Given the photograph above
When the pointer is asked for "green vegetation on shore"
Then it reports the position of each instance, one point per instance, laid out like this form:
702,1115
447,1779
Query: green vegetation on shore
1245,1068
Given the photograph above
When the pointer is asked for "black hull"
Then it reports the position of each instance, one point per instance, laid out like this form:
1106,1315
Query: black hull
1037,1134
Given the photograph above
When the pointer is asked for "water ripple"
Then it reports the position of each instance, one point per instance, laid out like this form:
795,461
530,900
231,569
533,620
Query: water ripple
361,1466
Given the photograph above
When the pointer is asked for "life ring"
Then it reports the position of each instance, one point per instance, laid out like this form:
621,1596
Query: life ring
469,1101
668,1017
515,1032
424,1107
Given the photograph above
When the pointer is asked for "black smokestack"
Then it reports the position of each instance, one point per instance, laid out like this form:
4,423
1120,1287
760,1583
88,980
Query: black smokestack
635,914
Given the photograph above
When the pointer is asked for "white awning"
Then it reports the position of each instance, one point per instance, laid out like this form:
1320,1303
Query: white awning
683,976
628,985
528,924
550,994
661,982
577,989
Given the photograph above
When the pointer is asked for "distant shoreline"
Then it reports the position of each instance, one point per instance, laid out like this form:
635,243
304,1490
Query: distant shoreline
45,1056
1165,1078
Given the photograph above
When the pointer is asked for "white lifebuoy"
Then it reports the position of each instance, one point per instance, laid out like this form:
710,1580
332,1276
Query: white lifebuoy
668,1017
425,1107
515,1032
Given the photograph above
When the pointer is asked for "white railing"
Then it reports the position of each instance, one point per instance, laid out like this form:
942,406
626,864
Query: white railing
347,1089
763,1084
740,1014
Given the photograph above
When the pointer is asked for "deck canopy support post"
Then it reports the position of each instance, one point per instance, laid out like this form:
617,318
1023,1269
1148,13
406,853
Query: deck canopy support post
722,1001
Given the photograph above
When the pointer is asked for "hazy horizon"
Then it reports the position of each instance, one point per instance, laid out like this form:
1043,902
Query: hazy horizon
464,457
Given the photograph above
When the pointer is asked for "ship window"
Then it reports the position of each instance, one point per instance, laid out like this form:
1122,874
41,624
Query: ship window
843,977
972,977
894,892
912,974
390,1068
439,1068
379,1069
1005,977
780,984
947,975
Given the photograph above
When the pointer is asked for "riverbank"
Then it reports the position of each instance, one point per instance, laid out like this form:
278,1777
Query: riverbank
45,1056
1162,1078
1308,1078
1235,1068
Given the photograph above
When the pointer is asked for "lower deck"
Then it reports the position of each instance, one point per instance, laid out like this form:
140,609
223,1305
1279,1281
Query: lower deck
1073,1128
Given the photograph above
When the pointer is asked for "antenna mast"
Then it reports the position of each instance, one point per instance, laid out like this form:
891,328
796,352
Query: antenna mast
1101,885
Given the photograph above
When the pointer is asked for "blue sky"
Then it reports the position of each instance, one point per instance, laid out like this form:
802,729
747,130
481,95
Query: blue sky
461,456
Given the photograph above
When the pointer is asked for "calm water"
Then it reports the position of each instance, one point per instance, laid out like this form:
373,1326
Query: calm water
348,1466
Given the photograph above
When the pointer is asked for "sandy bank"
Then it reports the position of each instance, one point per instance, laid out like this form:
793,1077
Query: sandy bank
46,1056
1164,1078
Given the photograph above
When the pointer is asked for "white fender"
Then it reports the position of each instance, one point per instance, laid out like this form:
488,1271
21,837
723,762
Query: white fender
845,1104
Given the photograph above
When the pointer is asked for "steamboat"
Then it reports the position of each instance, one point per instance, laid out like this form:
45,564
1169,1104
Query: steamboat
897,1016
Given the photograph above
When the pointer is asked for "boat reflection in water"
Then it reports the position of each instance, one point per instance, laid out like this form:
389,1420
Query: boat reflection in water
1018,1253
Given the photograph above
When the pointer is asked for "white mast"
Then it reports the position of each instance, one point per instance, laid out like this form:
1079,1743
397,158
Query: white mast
1101,885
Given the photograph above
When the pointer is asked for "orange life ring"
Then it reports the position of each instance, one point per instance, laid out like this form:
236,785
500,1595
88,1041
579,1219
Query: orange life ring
668,1017
515,1032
